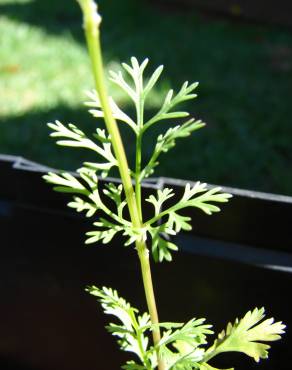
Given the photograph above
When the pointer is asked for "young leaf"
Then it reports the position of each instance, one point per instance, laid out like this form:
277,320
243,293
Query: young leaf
186,340
118,79
178,222
160,246
168,141
193,332
66,183
246,335
81,205
74,137
162,196
105,234
191,198
203,201
136,91
89,188
132,327
89,177
114,193
152,81
170,101
118,114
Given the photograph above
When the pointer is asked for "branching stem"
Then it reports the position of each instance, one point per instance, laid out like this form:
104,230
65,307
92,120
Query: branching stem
93,42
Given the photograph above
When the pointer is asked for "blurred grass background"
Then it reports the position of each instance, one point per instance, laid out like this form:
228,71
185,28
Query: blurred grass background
244,70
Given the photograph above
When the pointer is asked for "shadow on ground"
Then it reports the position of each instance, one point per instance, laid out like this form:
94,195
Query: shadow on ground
245,75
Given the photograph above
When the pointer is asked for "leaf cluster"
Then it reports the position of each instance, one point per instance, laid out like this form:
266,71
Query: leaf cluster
71,136
184,346
133,331
112,220
138,89
88,198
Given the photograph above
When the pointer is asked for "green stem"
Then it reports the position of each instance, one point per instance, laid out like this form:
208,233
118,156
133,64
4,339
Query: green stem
140,121
143,253
163,213
138,175
97,65
209,354
91,25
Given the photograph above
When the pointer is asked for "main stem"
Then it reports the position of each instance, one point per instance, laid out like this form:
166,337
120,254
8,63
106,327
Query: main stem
137,175
93,42
140,119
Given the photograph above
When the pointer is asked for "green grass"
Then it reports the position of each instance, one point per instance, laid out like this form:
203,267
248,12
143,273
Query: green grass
245,75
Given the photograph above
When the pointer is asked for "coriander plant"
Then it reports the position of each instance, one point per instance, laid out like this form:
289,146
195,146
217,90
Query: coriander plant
174,346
